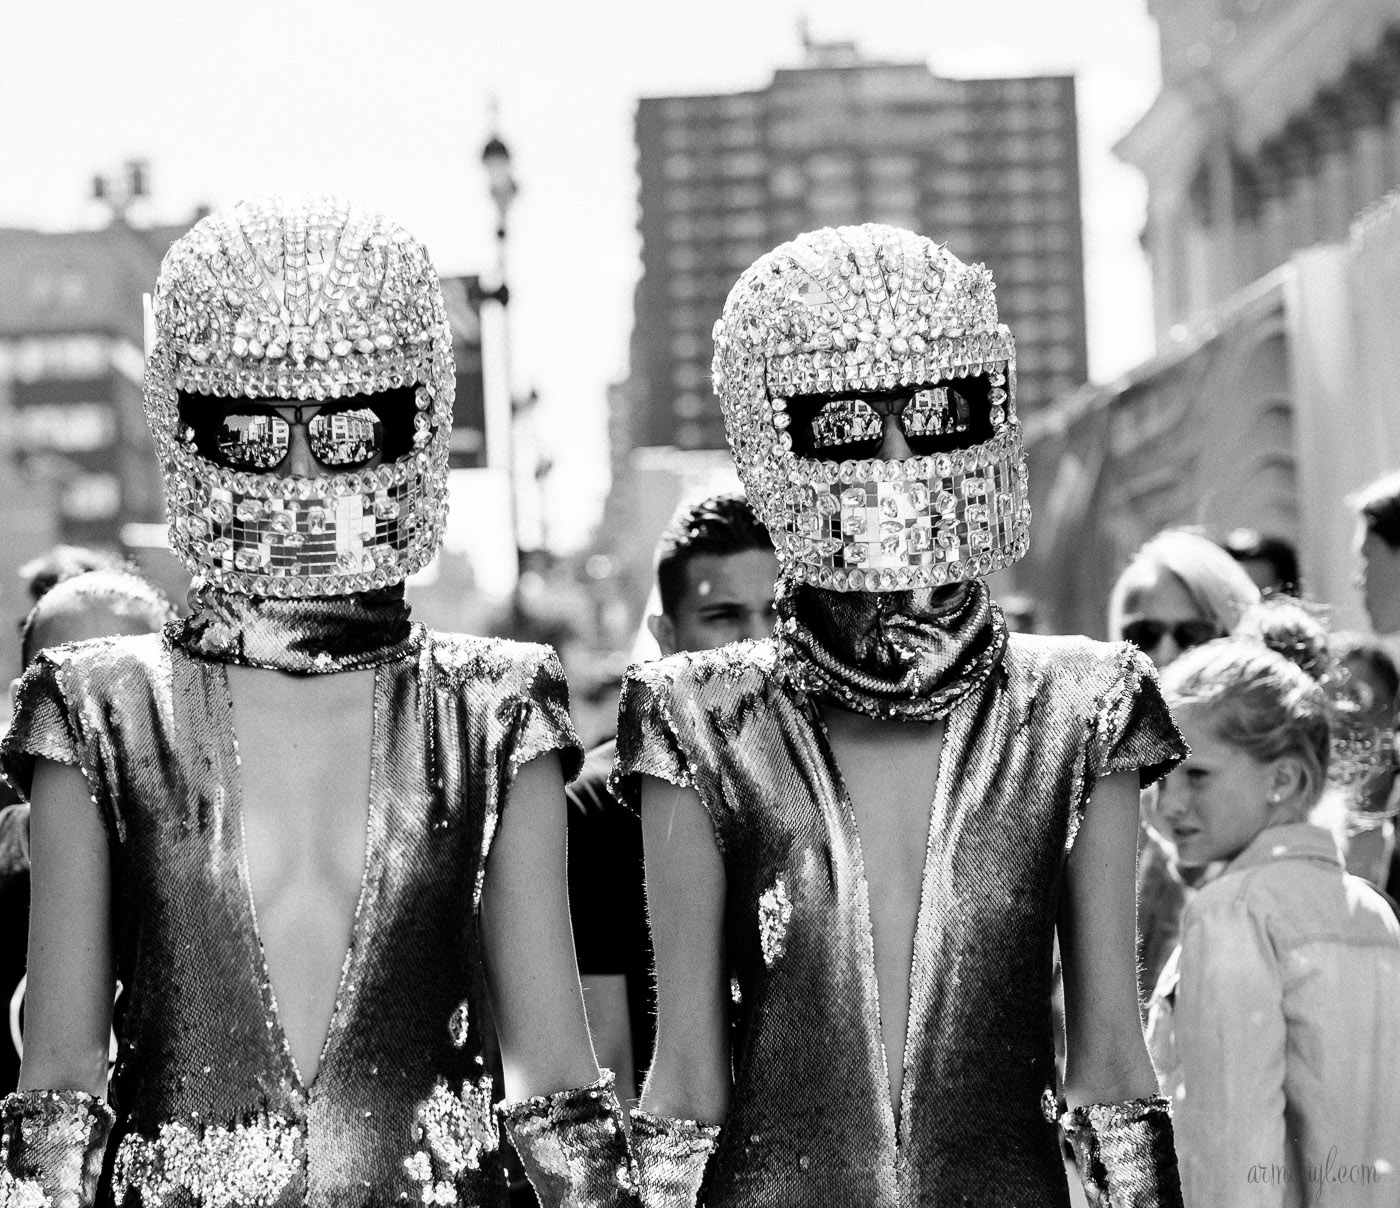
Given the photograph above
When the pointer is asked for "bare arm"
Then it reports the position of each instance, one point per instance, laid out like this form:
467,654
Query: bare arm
610,1022
1106,1057
690,1076
68,995
528,944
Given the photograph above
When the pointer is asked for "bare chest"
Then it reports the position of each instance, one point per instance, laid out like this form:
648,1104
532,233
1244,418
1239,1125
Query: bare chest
304,770
305,751
890,774
890,771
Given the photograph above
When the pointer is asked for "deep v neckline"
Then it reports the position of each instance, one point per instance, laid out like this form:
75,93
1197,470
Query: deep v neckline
913,1019
354,946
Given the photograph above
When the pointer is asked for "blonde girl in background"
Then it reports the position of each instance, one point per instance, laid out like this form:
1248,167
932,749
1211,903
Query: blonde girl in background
1275,1026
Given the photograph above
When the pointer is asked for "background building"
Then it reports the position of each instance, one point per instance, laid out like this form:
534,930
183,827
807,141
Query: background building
1275,390
1278,121
990,165
71,367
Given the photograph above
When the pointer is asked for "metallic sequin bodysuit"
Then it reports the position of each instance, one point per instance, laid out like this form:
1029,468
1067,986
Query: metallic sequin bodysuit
210,1107
810,1120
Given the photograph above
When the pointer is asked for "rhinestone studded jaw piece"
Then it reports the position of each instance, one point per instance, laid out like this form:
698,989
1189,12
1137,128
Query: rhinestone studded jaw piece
872,308
893,525
301,299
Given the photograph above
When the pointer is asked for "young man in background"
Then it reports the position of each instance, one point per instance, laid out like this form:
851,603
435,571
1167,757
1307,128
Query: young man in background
715,575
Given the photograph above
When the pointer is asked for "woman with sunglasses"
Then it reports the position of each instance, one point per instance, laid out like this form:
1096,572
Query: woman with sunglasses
1180,591
282,823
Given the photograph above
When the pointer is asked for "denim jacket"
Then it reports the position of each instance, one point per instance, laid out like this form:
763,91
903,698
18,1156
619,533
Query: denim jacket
1275,1029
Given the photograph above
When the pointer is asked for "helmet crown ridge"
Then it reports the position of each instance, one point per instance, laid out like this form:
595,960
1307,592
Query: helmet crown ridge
296,297
845,310
305,299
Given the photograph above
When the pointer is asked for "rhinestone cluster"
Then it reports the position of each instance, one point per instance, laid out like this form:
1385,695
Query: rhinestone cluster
871,308
454,1131
246,1166
308,298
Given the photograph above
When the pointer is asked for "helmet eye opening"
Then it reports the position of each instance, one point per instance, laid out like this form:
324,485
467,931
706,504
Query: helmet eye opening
379,424
849,425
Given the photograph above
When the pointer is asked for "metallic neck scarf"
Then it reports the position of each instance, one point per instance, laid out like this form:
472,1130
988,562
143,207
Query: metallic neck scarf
308,636
906,655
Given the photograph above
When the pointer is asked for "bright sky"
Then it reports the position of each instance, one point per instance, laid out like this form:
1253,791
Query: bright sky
387,101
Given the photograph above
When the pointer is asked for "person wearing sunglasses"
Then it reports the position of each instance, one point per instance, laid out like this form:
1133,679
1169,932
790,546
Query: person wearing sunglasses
283,823
862,834
1179,591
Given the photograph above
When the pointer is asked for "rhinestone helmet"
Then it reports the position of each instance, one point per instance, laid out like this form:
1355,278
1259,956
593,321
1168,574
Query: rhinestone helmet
300,300
872,308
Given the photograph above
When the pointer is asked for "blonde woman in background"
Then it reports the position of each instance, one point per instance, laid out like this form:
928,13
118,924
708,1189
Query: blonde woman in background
1179,591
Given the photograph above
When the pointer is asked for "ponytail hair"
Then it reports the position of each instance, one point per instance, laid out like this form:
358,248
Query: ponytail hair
1263,689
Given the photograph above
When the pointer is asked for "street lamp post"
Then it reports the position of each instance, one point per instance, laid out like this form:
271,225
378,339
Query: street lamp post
495,158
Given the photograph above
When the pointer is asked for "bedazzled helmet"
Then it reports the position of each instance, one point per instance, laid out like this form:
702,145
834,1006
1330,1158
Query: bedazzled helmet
841,312
311,301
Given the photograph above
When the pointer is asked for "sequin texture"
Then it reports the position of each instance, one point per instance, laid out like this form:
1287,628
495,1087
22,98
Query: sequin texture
911,655
246,1166
574,1146
310,636
21,1193
810,1119
455,1131
202,1045
1125,1152
672,1157
51,1148
774,915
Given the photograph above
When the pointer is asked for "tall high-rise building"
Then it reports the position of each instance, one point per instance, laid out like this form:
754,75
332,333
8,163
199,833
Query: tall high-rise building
989,165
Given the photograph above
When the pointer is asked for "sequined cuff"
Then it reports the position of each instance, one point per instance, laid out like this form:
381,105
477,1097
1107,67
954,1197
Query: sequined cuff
1125,1153
51,1148
574,1147
671,1158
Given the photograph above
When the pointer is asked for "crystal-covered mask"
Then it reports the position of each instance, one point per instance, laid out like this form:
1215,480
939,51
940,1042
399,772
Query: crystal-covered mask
819,339
291,312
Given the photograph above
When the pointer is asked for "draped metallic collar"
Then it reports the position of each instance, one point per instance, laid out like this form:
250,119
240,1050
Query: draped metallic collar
309,636
908,655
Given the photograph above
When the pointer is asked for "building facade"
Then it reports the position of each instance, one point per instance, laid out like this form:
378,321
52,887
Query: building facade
1275,391
1278,121
989,165
71,369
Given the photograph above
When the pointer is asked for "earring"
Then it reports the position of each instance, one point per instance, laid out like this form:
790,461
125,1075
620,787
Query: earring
1275,798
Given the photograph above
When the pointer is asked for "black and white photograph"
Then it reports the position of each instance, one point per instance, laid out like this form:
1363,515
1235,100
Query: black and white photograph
700,604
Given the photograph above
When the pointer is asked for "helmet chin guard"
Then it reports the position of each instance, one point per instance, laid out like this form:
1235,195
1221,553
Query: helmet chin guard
851,311
300,300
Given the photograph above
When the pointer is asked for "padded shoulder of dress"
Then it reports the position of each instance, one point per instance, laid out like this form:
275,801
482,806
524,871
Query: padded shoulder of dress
499,660
99,659
1073,659
732,670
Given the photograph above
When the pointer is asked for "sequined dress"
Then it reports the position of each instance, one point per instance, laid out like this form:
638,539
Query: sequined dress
810,1119
210,1107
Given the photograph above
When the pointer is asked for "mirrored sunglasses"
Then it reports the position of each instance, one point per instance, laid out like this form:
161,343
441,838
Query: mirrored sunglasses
933,419
260,438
